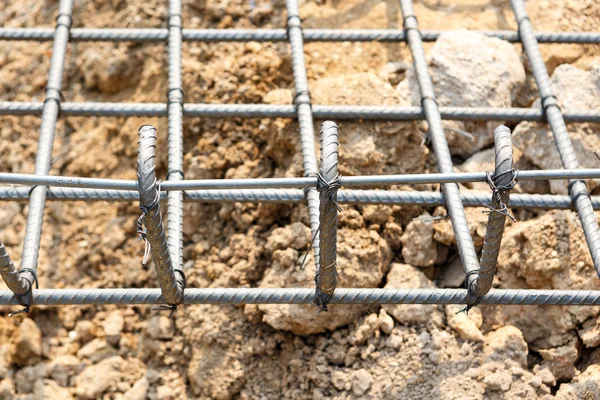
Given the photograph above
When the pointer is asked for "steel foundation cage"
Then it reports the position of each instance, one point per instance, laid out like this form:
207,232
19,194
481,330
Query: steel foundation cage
39,187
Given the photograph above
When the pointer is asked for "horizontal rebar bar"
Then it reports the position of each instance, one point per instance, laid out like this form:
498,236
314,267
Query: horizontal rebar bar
300,182
274,35
293,196
391,113
58,297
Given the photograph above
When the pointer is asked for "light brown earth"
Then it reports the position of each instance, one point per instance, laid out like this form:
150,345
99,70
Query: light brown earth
272,352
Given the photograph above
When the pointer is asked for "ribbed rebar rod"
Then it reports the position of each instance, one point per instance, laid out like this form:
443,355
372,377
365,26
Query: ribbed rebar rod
51,107
175,138
464,241
293,196
10,275
305,119
275,35
502,181
386,113
328,185
298,182
62,297
171,282
578,189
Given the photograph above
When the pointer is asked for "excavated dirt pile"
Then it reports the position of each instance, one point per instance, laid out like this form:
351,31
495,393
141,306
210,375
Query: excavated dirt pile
284,351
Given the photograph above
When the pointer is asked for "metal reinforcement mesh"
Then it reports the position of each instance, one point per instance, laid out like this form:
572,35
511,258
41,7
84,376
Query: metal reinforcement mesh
320,186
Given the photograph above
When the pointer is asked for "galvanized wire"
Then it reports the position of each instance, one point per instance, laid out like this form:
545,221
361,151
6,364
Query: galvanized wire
385,113
50,110
577,188
60,297
464,241
326,275
297,182
294,196
171,283
175,138
502,179
305,119
275,35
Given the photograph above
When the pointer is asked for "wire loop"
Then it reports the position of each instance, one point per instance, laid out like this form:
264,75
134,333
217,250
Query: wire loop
498,190
469,293
330,187
20,297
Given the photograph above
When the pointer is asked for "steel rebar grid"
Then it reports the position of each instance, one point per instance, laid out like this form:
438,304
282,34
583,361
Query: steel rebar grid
464,241
294,196
386,113
56,297
175,141
275,35
303,182
37,198
305,121
577,188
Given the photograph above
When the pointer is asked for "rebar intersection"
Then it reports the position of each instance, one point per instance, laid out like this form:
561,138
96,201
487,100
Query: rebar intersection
97,189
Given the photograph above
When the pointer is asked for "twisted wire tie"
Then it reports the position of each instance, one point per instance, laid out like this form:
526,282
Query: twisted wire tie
477,300
499,190
330,188
322,185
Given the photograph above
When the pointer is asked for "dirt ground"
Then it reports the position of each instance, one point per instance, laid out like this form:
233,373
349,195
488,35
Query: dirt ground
271,352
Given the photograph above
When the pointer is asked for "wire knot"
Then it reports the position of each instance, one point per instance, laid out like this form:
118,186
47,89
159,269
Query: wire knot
499,189
330,187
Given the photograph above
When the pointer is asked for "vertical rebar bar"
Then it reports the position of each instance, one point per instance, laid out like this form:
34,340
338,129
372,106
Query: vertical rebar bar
175,140
441,150
305,119
577,188
502,180
171,286
328,185
37,200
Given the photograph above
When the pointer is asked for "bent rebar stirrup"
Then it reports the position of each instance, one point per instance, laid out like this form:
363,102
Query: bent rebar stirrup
171,280
327,186
318,188
501,182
